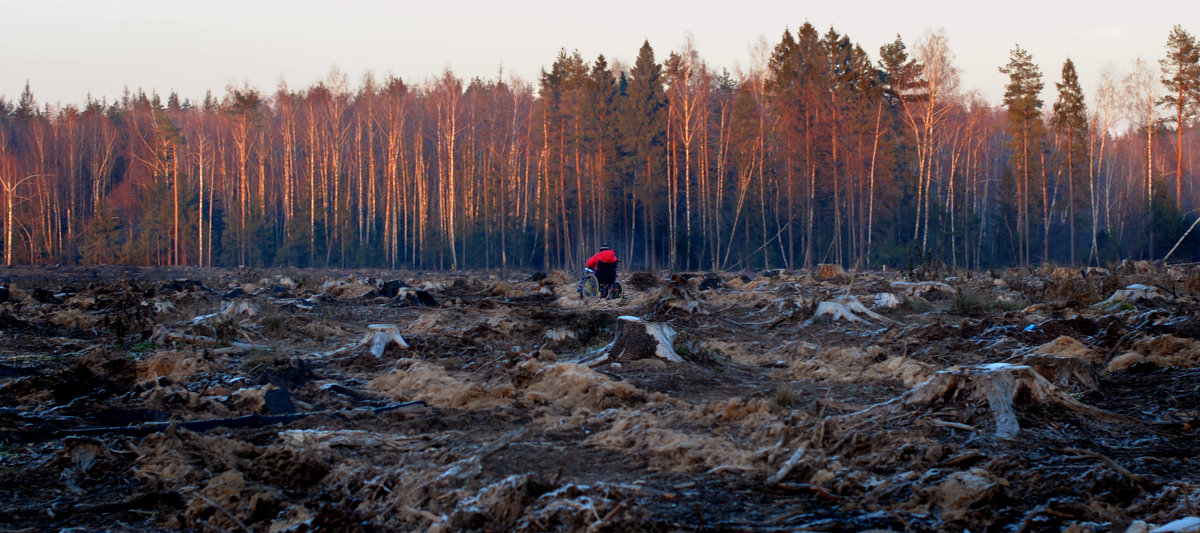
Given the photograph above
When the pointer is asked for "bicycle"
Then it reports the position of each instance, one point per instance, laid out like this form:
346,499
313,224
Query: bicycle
590,288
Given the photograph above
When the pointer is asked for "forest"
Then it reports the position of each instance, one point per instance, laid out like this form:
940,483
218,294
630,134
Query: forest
818,153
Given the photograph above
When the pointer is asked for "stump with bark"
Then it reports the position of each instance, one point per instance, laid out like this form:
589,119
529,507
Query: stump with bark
638,339
831,272
1000,385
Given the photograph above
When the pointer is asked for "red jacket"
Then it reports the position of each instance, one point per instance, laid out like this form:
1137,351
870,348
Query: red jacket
603,256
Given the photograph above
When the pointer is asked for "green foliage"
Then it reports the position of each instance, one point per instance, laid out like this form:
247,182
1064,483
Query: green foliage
1181,77
103,239
1023,104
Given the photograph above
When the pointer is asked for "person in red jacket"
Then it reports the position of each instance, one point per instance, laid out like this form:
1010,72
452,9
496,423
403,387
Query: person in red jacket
605,265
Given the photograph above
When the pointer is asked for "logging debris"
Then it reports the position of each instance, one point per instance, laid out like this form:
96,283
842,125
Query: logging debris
298,400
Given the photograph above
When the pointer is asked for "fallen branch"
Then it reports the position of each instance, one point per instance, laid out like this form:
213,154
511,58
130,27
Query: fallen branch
787,466
1141,481
955,425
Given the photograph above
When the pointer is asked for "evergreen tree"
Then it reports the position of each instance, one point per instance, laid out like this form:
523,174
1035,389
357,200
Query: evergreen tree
600,109
644,131
27,108
1070,123
1023,103
1181,75
103,238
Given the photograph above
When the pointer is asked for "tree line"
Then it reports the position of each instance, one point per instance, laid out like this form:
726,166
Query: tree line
817,153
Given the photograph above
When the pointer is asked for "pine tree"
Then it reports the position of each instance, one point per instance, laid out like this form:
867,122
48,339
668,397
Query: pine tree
1181,76
1070,122
103,238
644,132
600,126
1025,132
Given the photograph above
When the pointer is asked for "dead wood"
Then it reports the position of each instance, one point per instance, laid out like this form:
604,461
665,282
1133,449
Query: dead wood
831,272
997,384
1141,481
846,308
787,466
637,339
1132,294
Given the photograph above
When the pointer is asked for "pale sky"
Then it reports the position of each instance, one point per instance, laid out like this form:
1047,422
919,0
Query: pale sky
67,49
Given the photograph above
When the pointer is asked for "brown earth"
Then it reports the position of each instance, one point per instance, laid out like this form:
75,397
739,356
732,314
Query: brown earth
305,400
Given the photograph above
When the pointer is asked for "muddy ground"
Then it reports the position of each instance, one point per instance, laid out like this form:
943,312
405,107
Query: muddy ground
282,400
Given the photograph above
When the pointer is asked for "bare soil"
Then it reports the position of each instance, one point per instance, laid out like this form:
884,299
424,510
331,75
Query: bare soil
324,400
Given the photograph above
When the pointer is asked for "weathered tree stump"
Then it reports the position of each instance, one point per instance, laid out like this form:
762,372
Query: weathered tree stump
380,337
846,308
999,384
831,272
638,339
235,309
918,290
1131,294
677,297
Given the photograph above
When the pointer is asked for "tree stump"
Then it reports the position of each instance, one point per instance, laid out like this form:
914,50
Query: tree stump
846,308
831,272
380,337
638,339
1133,293
917,290
235,309
999,384
677,297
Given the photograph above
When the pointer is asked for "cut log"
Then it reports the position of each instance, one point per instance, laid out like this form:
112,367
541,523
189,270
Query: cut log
637,339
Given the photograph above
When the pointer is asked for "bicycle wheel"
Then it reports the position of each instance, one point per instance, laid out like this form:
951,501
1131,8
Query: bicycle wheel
589,288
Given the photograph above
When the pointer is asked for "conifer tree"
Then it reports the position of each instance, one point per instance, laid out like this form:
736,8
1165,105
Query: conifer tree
644,124
1070,122
600,126
1181,76
1025,131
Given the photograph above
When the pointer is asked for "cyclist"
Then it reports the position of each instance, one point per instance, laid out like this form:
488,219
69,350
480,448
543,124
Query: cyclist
604,263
